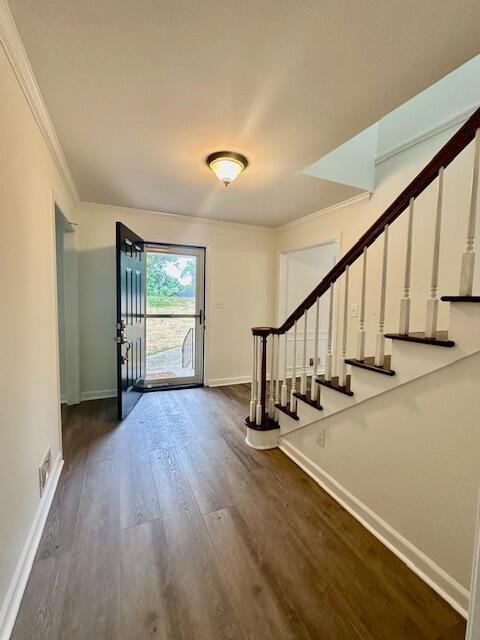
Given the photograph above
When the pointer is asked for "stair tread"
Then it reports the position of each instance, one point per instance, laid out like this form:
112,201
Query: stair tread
441,340
286,411
306,398
369,364
460,298
333,384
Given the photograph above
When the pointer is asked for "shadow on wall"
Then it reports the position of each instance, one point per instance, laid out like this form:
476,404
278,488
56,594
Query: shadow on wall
97,315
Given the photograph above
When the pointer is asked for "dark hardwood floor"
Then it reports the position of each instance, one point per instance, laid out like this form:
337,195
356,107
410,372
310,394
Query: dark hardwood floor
168,526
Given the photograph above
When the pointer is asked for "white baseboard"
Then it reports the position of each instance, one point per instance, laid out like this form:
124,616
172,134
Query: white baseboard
98,395
446,586
11,604
222,382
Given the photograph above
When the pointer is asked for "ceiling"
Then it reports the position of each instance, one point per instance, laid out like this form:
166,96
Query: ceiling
141,92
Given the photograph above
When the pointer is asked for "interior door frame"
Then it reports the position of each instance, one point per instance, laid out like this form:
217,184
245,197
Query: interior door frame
70,287
200,299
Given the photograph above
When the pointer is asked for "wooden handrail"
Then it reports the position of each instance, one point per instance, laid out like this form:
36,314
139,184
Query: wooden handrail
443,158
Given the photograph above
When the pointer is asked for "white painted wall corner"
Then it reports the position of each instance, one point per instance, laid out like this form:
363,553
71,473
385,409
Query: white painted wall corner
11,605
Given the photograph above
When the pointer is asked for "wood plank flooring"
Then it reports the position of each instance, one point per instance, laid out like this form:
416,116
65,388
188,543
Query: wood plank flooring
168,526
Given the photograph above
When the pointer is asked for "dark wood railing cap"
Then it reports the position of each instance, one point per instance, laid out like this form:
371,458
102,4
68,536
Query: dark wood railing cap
262,331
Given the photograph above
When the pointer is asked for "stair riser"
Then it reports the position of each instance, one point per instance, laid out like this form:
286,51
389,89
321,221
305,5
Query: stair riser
368,383
465,326
412,359
306,415
333,401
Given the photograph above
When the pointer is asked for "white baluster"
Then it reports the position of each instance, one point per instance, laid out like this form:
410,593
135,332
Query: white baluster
259,416
432,303
405,301
329,358
361,330
271,399
314,385
303,379
342,378
284,392
293,400
380,350
468,258
276,337
253,389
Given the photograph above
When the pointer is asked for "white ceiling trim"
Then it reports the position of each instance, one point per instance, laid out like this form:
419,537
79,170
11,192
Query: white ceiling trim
454,121
366,195
177,217
16,54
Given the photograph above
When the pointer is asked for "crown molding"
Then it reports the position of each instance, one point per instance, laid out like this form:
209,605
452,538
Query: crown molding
457,120
365,195
176,217
17,56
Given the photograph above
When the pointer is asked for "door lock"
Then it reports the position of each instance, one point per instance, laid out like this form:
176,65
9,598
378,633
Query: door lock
121,337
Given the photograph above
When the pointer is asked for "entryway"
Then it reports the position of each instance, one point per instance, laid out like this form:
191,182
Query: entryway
160,316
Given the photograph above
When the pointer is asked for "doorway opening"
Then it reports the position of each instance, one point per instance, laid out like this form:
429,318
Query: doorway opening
174,315
67,308
301,270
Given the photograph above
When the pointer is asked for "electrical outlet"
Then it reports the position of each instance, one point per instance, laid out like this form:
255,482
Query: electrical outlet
320,439
219,303
354,310
44,470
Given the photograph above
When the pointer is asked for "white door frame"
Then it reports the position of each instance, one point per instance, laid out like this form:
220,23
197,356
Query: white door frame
70,295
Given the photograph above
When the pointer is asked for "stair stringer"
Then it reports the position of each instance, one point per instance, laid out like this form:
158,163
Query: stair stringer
410,361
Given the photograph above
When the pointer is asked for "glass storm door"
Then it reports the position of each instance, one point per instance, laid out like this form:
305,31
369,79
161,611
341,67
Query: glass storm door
174,315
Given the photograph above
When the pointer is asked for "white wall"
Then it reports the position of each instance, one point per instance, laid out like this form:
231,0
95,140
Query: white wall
30,404
240,270
411,457
304,270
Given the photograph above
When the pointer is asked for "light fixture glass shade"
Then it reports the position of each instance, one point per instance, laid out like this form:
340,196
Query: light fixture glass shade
227,166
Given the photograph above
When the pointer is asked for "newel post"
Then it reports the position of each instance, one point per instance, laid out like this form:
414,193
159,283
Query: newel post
262,431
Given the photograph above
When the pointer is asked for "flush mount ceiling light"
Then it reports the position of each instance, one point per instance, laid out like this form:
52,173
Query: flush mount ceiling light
227,165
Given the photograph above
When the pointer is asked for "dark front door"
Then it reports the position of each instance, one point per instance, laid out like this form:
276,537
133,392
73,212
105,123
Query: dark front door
130,318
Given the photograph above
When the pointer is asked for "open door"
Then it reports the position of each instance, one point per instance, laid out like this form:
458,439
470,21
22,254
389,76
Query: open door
130,318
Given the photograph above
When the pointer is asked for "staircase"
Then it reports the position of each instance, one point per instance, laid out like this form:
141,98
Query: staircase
282,403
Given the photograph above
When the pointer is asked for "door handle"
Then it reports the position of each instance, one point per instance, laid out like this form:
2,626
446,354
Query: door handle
124,358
